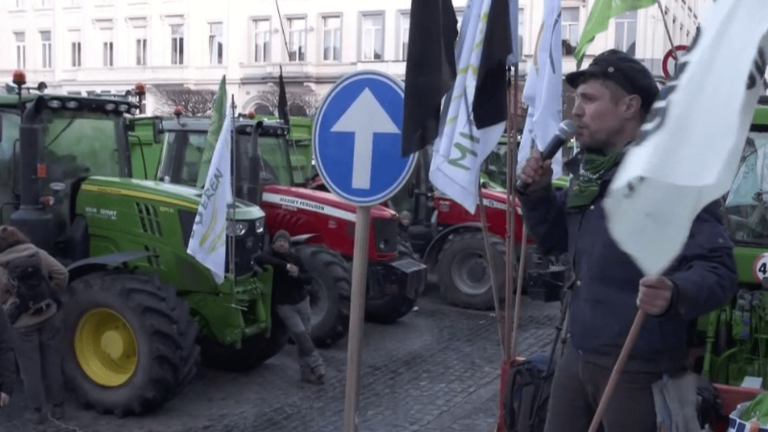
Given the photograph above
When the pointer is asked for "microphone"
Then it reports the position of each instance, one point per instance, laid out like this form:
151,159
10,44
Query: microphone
565,132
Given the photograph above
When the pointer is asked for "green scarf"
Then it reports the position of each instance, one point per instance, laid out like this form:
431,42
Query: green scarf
592,170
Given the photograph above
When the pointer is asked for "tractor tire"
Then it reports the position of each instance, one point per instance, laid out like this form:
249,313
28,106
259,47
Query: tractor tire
330,293
253,351
391,309
130,342
462,254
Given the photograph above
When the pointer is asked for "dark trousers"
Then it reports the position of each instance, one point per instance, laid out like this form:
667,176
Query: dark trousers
38,350
576,390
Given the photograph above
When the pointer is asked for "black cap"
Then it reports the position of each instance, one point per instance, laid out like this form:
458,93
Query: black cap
623,70
282,234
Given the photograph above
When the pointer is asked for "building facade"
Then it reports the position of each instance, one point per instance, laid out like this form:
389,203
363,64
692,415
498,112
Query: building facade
106,46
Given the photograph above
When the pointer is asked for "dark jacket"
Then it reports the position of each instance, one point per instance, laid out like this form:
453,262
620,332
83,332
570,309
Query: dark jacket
7,356
286,289
605,280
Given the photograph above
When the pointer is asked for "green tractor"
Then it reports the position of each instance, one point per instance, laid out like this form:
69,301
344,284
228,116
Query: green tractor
733,338
140,312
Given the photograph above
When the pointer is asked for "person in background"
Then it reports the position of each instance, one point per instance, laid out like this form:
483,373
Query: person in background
405,223
291,297
7,360
37,327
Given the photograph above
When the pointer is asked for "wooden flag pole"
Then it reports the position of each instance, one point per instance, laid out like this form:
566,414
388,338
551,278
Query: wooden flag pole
617,369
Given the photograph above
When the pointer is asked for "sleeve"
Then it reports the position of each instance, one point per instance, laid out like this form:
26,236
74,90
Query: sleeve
57,273
304,275
7,356
267,259
544,215
705,277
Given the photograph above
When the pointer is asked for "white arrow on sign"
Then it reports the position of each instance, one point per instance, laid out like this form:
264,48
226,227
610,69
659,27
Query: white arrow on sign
364,118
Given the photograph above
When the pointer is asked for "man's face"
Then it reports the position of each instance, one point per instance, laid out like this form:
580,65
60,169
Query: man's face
282,245
597,114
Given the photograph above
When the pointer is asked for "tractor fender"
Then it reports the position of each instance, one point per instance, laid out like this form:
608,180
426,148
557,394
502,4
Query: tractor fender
436,245
301,239
86,266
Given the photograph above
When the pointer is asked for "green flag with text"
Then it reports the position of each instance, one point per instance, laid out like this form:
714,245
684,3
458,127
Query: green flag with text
602,12
217,121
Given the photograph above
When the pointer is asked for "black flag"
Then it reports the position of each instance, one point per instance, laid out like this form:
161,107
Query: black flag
430,70
490,104
282,102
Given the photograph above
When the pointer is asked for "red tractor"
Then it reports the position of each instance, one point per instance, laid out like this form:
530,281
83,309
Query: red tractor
450,242
322,223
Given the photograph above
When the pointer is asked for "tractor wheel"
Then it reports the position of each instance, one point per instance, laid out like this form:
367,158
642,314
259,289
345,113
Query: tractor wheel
391,309
130,342
253,351
464,273
329,296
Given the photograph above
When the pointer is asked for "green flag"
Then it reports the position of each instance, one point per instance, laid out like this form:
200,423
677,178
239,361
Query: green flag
217,121
602,12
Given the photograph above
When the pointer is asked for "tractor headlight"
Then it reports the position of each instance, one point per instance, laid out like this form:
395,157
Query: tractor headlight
54,103
235,228
260,225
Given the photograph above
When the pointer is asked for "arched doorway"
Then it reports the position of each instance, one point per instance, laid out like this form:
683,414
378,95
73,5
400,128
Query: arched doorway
262,109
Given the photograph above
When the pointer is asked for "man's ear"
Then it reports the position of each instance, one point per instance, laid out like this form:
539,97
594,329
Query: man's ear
631,106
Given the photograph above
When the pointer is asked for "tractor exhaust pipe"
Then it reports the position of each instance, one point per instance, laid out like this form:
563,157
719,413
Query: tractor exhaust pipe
31,217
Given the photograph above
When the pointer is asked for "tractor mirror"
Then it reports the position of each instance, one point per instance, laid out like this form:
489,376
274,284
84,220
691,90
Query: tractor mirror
157,130
130,125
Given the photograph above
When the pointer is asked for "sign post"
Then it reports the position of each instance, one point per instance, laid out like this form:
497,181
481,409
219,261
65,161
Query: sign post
356,146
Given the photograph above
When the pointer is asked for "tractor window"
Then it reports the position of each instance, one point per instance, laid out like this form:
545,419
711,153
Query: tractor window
81,143
190,145
273,151
746,204
9,137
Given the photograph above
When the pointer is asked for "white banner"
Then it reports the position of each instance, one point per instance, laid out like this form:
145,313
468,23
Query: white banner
461,148
691,148
209,234
543,92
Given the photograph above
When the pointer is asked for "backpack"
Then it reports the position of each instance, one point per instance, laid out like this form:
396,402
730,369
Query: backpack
527,394
30,285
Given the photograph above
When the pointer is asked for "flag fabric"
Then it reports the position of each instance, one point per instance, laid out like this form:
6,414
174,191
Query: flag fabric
689,149
282,101
489,106
597,22
543,91
461,146
430,70
208,240
219,110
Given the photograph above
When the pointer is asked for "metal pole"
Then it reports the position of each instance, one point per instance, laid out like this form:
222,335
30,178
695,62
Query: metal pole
232,205
511,210
356,317
666,27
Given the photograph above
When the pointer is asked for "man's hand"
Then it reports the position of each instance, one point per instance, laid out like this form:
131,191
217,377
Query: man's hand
536,172
655,295
293,270
4,399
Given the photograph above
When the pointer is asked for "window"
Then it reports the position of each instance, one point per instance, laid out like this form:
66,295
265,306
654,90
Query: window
107,48
75,49
261,29
681,32
74,2
45,3
521,32
216,43
687,36
297,39
570,29
9,150
140,36
19,4
177,44
626,32
45,42
21,50
373,37
332,38
405,28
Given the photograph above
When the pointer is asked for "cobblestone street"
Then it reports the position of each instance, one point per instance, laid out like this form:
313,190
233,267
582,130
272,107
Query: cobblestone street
436,370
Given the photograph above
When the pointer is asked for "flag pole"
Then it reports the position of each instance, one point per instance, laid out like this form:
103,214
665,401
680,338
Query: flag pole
666,28
232,206
512,85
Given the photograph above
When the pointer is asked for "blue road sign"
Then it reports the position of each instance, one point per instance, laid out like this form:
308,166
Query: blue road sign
356,138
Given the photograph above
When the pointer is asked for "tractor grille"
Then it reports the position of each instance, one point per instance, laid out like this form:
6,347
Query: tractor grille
386,233
246,246
149,219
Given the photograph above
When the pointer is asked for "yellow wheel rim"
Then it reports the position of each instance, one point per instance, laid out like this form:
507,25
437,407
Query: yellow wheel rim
105,347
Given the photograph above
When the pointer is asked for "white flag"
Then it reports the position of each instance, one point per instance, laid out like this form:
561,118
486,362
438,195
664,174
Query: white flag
543,92
691,152
461,148
209,234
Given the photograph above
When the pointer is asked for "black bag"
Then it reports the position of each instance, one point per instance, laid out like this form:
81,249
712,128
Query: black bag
30,285
527,394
